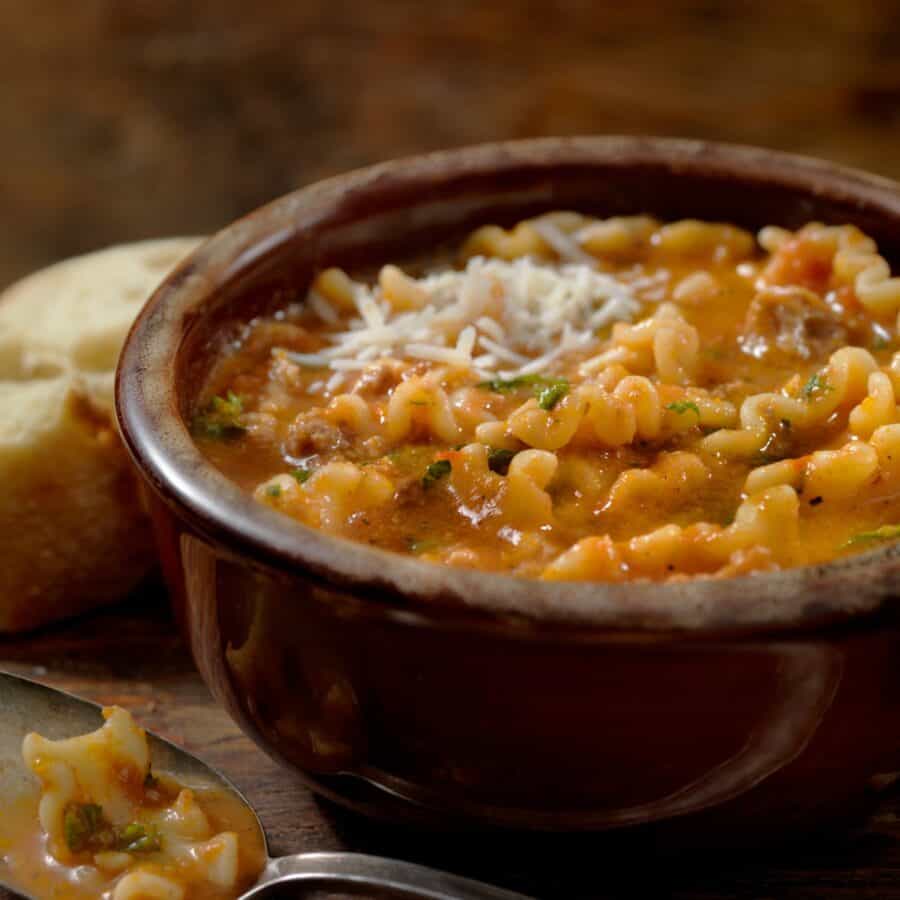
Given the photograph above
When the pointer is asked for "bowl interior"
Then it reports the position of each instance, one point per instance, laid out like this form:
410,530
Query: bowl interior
401,210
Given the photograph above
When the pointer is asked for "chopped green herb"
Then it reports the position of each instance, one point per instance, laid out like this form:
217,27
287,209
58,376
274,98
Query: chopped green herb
220,419
549,391
683,406
273,490
885,533
549,396
301,475
499,459
151,782
880,342
81,822
86,828
137,838
435,472
505,386
816,384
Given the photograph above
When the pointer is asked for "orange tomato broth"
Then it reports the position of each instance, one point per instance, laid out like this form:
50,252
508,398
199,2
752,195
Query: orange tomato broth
476,526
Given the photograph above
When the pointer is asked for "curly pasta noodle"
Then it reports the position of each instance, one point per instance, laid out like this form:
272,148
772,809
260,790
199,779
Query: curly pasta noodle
716,403
417,401
827,474
665,343
842,382
768,520
632,410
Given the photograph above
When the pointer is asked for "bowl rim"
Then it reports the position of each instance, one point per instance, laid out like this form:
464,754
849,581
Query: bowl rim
403,587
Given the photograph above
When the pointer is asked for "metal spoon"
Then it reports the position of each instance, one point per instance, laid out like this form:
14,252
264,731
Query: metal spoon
28,706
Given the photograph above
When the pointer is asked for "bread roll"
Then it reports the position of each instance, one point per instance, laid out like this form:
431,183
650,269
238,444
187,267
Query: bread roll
72,532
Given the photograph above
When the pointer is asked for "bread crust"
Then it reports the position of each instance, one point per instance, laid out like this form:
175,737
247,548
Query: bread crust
73,534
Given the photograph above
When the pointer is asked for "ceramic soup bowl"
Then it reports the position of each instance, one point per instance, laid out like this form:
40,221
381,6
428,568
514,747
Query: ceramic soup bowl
766,703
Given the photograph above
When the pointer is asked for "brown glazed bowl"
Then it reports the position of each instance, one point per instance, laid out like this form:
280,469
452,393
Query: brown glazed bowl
760,705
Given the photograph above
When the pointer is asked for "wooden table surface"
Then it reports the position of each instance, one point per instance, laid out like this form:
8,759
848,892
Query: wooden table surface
132,656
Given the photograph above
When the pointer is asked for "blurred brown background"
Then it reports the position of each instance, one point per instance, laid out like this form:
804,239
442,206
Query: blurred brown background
121,120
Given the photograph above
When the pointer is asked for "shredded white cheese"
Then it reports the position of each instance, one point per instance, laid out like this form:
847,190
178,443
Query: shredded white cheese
495,317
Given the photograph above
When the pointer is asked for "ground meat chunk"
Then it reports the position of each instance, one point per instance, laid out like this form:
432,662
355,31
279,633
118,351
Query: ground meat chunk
310,433
286,373
378,378
791,321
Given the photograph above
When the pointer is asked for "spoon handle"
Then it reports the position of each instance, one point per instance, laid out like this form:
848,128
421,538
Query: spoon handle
388,877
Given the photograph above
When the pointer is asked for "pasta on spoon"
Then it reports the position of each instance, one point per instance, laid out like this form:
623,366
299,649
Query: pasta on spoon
105,825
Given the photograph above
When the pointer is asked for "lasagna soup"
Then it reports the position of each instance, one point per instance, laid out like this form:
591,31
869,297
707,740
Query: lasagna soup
584,399
106,826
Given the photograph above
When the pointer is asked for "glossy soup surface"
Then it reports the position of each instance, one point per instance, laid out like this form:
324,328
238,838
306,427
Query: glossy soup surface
582,399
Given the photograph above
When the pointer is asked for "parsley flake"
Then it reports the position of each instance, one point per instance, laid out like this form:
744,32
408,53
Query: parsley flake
81,823
548,391
683,406
816,385
435,472
220,419
86,828
301,475
885,533
137,838
507,385
549,396
499,459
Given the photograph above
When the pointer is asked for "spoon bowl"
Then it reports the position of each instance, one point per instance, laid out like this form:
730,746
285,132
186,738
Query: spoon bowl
27,706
